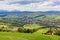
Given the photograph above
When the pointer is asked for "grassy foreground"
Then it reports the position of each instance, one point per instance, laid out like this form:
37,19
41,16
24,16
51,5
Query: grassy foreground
27,36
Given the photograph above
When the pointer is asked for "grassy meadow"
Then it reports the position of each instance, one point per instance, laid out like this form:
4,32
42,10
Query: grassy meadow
27,36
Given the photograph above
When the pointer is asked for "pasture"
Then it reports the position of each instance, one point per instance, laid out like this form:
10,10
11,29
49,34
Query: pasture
28,36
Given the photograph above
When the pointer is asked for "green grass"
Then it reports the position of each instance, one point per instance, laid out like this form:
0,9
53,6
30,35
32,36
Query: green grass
12,16
50,17
27,36
32,26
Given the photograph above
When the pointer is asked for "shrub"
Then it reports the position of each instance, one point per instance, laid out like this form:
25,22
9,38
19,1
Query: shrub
20,29
0,29
57,32
26,30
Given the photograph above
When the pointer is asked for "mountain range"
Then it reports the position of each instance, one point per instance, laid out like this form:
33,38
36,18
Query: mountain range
20,14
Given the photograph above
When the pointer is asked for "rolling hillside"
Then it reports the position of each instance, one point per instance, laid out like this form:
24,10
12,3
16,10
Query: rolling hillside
50,17
28,22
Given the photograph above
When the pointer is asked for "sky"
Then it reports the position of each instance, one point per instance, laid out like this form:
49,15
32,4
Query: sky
30,5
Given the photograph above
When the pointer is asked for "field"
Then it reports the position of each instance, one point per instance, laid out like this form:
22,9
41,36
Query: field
27,36
50,17
28,27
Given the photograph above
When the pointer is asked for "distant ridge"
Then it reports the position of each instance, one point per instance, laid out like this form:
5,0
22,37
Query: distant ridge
27,12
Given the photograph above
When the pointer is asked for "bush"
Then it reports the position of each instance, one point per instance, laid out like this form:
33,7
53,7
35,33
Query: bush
57,32
26,30
20,29
0,29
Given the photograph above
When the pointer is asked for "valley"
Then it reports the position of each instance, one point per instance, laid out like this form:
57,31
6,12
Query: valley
30,25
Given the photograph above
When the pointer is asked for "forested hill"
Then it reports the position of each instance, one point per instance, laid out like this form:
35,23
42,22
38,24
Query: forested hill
28,12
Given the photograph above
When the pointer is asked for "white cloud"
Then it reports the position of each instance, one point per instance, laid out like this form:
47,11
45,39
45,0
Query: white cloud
38,6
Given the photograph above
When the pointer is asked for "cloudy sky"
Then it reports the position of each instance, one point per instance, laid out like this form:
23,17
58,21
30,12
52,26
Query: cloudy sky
30,5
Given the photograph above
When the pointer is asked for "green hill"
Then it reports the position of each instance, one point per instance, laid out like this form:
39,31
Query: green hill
50,17
27,36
